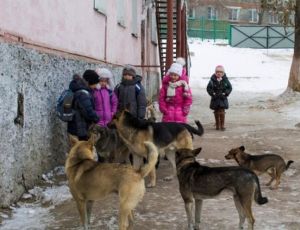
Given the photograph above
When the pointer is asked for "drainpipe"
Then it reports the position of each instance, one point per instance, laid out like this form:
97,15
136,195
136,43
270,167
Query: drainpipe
183,33
105,39
178,30
169,57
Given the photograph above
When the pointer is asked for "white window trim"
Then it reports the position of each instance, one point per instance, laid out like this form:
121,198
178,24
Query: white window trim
252,16
100,6
238,13
134,18
193,13
214,14
121,13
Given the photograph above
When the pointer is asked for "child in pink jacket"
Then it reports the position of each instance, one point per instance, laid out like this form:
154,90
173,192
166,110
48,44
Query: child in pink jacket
175,96
106,101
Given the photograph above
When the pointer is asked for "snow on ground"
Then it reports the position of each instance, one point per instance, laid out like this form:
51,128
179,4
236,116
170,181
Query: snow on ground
254,70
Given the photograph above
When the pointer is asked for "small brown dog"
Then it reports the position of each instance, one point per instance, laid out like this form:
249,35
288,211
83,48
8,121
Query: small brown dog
272,164
90,181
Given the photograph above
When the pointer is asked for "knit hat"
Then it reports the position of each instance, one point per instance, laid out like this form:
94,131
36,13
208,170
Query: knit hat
130,70
181,61
105,73
91,77
175,68
220,68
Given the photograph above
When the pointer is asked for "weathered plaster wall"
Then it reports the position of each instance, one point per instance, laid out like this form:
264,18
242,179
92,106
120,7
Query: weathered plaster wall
33,140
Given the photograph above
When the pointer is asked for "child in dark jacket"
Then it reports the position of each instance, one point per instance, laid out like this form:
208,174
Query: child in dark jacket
131,92
219,88
83,105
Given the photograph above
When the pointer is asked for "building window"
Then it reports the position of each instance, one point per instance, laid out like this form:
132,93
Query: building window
134,19
121,12
273,18
191,13
100,6
234,14
211,13
253,15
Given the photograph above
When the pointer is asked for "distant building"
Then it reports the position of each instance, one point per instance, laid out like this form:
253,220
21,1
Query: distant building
232,11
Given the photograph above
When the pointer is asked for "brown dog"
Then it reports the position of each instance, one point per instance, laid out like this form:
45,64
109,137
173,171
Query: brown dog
272,164
90,181
197,182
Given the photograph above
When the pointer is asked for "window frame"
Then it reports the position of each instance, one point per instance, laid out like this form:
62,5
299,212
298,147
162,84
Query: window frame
100,6
231,10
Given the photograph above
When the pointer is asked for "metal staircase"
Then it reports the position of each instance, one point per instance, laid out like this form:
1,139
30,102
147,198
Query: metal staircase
176,39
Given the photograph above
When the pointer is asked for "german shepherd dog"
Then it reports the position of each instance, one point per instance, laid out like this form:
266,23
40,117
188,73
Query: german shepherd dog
90,181
272,164
167,136
109,144
197,182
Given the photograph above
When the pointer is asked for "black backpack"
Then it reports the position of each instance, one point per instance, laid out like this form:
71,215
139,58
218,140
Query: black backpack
64,104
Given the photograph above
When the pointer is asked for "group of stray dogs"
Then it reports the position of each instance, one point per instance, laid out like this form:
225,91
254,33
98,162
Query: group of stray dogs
90,180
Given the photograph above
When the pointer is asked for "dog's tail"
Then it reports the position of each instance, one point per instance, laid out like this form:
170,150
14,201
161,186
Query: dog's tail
192,130
258,196
152,159
288,164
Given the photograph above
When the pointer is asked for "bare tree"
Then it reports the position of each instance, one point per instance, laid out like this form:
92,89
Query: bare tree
294,79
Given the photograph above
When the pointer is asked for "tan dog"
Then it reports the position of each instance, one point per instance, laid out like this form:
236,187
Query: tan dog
90,181
272,164
197,182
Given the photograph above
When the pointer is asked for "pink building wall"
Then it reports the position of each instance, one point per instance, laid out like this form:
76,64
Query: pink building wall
75,27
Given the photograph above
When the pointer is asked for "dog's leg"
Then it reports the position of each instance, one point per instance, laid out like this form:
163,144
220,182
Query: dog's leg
271,173
240,210
81,205
170,154
130,219
123,219
246,203
152,176
198,207
89,206
277,176
188,203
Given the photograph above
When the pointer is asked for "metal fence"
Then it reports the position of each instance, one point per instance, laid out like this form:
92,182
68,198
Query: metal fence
208,29
262,37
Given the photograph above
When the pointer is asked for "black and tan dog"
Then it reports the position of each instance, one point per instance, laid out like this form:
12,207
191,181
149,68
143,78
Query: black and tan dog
272,164
90,181
197,182
167,136
109,144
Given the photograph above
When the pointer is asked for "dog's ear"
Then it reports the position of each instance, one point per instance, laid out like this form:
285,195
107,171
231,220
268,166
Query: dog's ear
196,151
92,140
242,148
73,140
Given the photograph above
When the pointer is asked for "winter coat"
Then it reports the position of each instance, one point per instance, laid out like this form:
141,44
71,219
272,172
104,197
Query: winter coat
219,91
84,107
131,92
175,108
106,103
